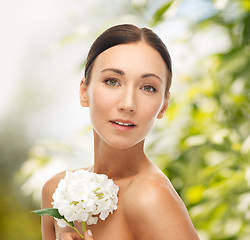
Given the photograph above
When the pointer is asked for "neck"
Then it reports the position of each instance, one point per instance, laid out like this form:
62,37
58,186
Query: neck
118,163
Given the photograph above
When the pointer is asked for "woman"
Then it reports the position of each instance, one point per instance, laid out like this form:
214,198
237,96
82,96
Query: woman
126,87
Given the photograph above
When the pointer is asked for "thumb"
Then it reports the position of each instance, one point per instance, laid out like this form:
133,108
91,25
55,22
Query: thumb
88,235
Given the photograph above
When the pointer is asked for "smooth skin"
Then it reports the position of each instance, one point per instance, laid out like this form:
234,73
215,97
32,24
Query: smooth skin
127,85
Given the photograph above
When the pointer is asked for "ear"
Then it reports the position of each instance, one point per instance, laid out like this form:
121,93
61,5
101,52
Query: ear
164,107
83,94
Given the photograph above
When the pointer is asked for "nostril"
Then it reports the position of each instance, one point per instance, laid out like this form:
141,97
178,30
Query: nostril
127,109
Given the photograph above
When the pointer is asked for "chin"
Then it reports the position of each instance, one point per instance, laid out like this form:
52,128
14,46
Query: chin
119,142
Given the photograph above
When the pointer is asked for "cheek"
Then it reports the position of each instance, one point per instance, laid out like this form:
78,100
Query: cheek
100,101
151,109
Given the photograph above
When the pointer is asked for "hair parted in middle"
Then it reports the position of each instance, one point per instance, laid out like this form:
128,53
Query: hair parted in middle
124,34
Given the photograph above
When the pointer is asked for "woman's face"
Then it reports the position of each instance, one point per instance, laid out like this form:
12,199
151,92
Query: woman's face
126,93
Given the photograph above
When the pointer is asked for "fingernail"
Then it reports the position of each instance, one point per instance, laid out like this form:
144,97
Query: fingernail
90,233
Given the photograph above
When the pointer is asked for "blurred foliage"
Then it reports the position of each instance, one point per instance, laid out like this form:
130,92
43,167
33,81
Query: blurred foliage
203,144
210,163
159,14
15,220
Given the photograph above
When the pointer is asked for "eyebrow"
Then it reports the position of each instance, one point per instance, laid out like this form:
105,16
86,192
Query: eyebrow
146,75
120,72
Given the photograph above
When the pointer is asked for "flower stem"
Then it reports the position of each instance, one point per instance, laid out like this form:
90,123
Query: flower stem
83,227
71,224
78,232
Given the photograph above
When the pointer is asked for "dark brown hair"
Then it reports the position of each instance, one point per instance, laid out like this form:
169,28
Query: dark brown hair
127,33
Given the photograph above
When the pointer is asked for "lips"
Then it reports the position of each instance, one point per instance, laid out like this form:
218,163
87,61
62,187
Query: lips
123,123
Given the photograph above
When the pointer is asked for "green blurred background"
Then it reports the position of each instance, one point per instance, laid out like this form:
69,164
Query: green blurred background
203,143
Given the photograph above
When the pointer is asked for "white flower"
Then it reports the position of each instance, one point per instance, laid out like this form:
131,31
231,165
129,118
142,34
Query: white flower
61,223
83,196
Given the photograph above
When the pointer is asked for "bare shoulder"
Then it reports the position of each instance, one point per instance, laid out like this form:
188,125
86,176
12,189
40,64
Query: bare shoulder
153,204
153,192
49,188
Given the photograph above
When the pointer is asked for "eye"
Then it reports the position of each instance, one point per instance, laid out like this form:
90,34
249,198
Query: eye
149,88
112,82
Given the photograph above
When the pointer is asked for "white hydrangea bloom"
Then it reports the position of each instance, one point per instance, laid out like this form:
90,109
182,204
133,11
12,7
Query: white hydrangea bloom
83,196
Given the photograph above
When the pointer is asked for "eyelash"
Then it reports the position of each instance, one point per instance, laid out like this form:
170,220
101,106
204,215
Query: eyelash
108,80
152,89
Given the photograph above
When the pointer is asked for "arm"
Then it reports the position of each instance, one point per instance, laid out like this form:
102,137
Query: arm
156,212
48,229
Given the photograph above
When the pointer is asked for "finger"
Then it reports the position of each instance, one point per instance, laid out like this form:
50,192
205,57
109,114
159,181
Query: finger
70,236
88,235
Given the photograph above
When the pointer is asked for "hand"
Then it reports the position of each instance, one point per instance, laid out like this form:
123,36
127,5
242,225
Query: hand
75,236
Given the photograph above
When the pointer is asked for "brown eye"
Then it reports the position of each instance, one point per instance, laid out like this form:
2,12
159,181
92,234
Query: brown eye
112,82
148,88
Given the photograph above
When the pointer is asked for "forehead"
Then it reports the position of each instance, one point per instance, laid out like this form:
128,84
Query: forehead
133,58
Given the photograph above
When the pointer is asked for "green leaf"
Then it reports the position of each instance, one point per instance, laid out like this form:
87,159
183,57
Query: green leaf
54,213
158,16
49,211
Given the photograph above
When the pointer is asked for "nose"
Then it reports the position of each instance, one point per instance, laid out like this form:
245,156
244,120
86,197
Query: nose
127,101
